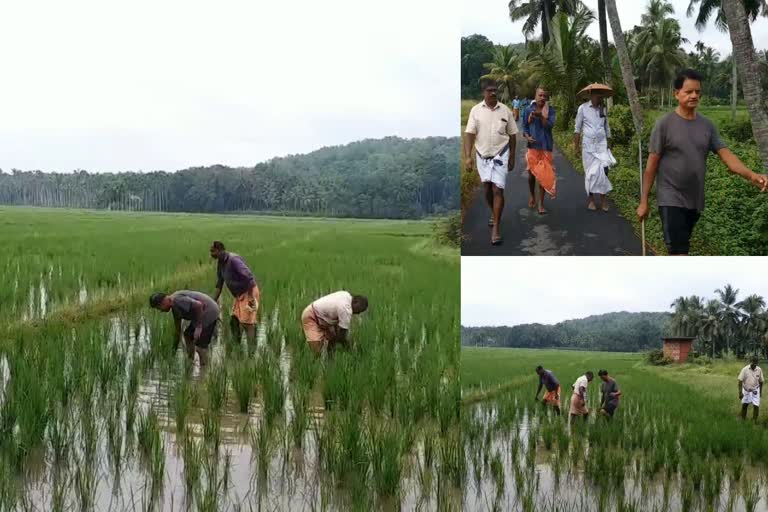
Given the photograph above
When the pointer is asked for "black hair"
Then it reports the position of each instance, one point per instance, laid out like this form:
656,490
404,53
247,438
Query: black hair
156,298
539,368
686,74
487,82
589,374
218,245
603,372
362,300
753,360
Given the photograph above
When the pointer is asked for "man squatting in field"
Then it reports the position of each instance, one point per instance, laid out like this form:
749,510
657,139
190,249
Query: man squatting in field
750,388
232,270
579,397
680,143
548,380
610,394
327,320
202,313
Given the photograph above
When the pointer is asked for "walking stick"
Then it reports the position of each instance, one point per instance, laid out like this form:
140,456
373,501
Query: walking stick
640,160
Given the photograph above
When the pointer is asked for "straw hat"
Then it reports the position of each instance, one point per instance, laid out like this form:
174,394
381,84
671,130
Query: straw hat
605,91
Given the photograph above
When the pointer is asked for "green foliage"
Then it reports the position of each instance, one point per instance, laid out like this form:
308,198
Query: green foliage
657,358
738,130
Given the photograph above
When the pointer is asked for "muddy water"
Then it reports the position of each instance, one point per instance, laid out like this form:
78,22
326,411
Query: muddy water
294,481
569,489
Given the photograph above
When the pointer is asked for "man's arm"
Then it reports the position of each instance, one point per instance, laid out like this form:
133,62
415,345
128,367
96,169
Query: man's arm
736,167
741,395
527,113
219,283
512,149
177,329
551,117
541,384
577,130
582,390
649,177
469,143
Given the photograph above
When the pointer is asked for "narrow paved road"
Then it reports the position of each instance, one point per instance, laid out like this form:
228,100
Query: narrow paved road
568,229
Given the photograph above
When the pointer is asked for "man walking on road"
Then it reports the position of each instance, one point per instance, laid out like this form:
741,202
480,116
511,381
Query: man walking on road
548,380
327,320
579,397
202,313
680,143
516,108
750,388
591,137
491,130
610,394
538,120
232,270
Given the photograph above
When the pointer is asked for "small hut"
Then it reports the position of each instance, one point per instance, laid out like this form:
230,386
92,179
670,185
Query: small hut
677,348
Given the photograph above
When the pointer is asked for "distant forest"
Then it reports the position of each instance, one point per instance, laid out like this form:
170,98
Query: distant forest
613,332
385,178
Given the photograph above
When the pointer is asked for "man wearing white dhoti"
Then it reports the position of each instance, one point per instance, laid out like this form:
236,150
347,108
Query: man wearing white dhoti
591,137
750,388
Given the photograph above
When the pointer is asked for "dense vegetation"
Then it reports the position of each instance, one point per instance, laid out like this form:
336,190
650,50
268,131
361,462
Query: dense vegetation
387,178
615,332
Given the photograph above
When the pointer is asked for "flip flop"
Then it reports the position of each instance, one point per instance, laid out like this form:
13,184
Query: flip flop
497,241
544,212
605,207
591,207
490,223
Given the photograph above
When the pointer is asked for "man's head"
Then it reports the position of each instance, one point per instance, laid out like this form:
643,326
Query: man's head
160,301
217,250
753,363
590,376
603,374
540,370
542,95
596,97
490,90
516,96
688,88
359,304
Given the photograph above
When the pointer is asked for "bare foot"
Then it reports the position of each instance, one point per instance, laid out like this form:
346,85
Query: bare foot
605,207
591,206
542,210
531,202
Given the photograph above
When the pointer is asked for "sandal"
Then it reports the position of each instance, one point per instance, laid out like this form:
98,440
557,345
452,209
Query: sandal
490,223
497,241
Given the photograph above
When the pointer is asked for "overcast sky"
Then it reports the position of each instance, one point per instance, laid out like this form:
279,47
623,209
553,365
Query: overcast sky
167,84
517,290
491,19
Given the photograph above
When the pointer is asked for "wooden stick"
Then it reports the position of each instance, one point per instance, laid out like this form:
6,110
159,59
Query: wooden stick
642,232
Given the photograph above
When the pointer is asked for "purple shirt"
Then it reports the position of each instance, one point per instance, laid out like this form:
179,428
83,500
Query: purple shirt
549,380
235,273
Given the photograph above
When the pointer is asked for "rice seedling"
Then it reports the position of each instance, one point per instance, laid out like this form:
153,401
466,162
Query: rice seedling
216,387
386,447
192,453
751,493
300,419
272,388
262,445
211,429
182,398
244,383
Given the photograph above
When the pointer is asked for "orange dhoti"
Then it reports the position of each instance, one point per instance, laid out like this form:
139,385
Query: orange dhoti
317,332
242,309
553,397
540,165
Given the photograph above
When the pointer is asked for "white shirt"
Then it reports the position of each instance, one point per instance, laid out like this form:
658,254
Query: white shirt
593,128
493,127
581,382
750,379
335,309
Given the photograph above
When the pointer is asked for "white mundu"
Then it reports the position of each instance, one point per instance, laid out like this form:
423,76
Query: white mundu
335,309
595,154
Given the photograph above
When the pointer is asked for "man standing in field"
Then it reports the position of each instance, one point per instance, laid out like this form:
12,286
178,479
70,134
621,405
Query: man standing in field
202,313
516,108
610,394
579,397
591,138
232,270
680,143
327,320
548,380
491,131
538,120
750,388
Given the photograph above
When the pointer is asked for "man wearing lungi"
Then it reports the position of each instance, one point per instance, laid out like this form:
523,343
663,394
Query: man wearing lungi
548,380
750,388
579,397
593,130
232,270
491,130
516,108
538,120
610,393
327,320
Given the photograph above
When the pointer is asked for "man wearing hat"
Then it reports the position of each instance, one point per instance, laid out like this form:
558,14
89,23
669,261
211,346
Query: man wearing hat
591,136
199,309
750,388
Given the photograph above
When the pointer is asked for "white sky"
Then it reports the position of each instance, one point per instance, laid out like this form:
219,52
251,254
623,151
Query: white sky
491,19
517,290
167,84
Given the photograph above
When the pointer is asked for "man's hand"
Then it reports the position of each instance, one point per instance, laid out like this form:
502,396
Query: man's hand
741,395
760,181
529,138
642,211
511,164
469,164
610,144
198,332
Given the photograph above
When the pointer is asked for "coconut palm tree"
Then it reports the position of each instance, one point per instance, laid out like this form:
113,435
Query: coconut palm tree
709,324
504,69
540,11
661,55
604,55
686,315
729,313
753,322
626,64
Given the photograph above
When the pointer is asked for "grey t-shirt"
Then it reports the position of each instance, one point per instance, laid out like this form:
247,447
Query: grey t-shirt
683,146
182,306
608,388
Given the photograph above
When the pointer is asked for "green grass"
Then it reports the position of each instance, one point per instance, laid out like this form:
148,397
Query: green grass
469,180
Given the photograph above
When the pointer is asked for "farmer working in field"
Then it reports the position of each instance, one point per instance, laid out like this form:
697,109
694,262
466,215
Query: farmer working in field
548,380
579,397
327,320
680,143
610,394
750,388
538,120
202,313
592,139
232,270
492,132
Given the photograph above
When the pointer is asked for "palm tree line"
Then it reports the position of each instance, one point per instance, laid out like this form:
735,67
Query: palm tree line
723,324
